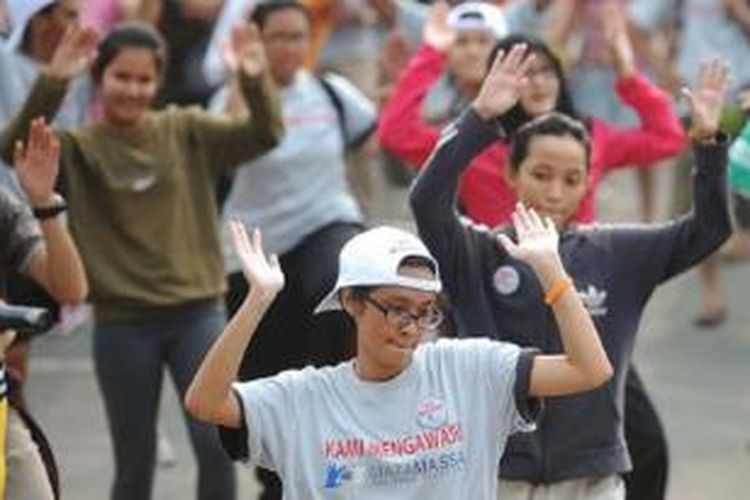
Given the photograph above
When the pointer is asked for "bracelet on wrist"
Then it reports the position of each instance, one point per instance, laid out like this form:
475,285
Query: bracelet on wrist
558,288
57,207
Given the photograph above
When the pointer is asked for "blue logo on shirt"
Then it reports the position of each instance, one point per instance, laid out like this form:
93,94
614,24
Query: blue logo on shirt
336,475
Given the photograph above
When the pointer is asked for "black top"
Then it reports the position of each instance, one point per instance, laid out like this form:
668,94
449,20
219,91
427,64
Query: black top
615,269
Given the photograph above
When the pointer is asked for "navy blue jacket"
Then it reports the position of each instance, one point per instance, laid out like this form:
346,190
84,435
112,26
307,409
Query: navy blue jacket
615,269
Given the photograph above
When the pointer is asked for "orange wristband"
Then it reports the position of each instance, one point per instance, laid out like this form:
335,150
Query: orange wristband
558,288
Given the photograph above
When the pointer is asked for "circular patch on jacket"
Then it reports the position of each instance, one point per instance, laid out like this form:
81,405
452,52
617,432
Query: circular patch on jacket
506,280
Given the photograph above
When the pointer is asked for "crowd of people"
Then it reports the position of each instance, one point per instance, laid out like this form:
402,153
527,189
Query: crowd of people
207,175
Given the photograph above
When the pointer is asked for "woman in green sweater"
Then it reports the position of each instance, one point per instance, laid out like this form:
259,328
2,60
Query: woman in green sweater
140,188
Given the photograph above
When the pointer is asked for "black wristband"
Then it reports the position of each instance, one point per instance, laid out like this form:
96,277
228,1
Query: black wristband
58,207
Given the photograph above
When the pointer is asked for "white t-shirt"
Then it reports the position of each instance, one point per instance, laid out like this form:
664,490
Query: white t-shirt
300,186
437,430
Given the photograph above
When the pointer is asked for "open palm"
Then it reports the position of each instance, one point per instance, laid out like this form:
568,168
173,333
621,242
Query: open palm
537,239
263,274
247,50
75,53
37,163
707,99
503,84
436,32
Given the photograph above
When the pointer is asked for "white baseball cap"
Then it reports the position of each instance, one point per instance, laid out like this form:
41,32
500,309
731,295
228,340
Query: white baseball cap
478,16
20,13
373,258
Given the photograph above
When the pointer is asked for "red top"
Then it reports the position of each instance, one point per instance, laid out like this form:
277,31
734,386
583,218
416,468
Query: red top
484,195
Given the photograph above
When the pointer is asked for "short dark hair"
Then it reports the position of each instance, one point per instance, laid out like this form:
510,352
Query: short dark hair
264,9
45,11
517,116
554,124
359,293
417,261
129,34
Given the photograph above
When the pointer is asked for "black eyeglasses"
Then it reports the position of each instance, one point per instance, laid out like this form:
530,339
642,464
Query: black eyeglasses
399,317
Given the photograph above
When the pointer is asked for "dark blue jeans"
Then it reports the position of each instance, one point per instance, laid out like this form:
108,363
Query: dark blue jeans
129,359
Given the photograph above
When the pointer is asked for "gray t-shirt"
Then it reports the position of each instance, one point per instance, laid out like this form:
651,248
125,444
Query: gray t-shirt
19,237
300,186
437,430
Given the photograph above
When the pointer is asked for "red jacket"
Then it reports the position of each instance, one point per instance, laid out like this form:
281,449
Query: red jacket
484,195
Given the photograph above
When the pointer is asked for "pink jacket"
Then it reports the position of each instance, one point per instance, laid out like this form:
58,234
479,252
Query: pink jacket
484,195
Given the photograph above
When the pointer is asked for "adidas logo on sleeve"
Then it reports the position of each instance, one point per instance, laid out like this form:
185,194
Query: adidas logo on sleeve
594,300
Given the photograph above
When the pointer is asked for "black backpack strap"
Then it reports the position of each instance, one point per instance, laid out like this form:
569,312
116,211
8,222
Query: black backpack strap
338,106
44,448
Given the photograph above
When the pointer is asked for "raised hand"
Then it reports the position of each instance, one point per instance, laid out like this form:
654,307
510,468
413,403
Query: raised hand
502,86
228,56
263,274
38,163
75,53
436,32
537,243
245,50
394,55
616,34
707,99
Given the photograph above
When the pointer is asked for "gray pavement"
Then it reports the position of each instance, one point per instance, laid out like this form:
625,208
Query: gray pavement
700,380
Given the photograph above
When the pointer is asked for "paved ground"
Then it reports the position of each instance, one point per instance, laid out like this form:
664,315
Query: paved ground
699,379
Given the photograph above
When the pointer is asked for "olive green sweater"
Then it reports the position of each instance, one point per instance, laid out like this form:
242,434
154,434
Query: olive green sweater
142,203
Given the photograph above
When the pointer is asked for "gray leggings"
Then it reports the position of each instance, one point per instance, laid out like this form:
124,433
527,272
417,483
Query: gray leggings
129,358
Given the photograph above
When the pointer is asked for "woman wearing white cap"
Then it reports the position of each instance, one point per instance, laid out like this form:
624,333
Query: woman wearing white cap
444,75
409,128
402,419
